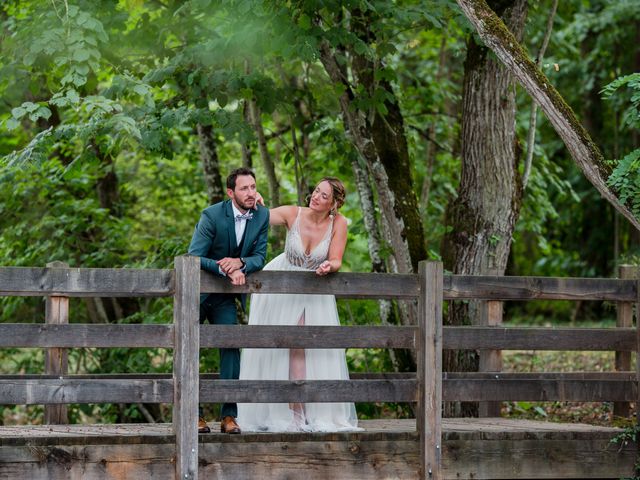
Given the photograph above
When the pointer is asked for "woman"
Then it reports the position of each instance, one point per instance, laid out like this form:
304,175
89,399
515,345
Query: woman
316,239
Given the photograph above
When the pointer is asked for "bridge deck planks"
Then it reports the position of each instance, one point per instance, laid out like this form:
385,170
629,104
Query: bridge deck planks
472,448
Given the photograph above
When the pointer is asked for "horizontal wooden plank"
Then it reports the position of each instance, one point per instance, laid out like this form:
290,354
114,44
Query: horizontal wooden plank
85,335
518,338
548,376
86,282
268,336
203,376
541,390
123,282
538,288
262,336
350,285
72,390
282,391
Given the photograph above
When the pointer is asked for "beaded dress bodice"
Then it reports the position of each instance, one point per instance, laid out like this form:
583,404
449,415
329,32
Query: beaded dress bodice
295,252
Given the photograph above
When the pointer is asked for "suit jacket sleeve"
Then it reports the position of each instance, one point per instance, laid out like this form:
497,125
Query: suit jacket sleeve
203,237
255,259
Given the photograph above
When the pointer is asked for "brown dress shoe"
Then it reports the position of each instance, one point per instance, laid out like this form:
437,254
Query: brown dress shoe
229,425
202,426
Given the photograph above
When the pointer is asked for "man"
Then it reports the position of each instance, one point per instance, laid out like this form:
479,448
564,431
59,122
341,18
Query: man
231,240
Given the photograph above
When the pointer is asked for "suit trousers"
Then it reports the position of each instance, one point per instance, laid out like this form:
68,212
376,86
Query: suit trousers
220,309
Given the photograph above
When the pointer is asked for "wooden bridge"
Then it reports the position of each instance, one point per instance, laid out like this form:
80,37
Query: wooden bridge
427,447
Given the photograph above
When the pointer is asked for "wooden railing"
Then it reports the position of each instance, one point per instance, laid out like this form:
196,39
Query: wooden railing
427,388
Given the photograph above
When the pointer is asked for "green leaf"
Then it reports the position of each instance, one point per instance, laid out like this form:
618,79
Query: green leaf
141,89
11,123
73,11
81,55
304,22
18,112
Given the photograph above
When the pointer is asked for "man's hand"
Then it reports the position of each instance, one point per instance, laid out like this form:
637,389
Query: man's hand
237,278
229,265
259,201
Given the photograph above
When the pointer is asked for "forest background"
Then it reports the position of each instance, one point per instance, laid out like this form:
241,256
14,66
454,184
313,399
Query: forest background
120,120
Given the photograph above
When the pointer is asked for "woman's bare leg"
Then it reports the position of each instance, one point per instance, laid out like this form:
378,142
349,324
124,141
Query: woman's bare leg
298,371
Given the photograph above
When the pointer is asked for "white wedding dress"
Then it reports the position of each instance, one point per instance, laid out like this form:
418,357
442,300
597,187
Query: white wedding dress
273,364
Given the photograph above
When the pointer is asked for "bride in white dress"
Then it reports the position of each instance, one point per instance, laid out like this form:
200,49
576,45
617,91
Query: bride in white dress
316,239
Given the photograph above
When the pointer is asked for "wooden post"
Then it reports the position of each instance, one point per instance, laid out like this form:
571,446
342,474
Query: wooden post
186,386
429,375
637,348
490,360
56,359
624,319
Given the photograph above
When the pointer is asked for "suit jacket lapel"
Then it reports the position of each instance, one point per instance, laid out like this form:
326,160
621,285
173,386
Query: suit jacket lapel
231,227
249,235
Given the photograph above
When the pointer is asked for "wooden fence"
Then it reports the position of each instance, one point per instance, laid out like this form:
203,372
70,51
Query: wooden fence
428,387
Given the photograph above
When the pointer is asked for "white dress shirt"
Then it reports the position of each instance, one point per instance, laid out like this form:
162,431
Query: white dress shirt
239,224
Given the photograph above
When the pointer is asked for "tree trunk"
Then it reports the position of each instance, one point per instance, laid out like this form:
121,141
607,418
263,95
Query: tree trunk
382,145
506,47
210,163
401,359
430,150
247,158
269,167
483,216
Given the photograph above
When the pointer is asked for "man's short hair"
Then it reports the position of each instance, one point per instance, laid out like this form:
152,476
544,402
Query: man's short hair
231,179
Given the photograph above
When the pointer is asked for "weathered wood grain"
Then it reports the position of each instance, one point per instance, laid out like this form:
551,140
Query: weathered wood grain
186,365
106,282
71,390
490,360
472,448
268,336
85,282
624,319
537,288
252,391
350,285
375,285
539,390
538,338
56,361
429,369
261,336
86,335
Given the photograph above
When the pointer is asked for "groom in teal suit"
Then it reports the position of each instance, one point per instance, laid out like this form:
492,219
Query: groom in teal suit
231,240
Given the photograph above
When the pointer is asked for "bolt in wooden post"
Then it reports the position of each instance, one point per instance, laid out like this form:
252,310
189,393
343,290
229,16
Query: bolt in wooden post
56,359
429,355
186,382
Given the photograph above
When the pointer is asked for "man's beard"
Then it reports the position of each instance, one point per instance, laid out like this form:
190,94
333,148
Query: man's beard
244,205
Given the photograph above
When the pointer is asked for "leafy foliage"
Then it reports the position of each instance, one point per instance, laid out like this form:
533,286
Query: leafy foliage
625,178
100,156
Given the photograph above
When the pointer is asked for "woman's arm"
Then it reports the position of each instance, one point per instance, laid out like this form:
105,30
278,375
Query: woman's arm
284,215
336,247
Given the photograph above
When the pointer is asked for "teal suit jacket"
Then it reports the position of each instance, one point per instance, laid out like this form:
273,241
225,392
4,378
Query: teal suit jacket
214,238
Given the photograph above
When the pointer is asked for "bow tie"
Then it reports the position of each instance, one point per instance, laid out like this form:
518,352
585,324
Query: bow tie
246,216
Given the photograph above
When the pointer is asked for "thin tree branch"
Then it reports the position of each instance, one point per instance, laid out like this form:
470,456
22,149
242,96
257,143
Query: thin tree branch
531,137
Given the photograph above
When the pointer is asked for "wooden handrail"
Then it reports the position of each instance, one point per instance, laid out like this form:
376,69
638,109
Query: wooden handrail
108,282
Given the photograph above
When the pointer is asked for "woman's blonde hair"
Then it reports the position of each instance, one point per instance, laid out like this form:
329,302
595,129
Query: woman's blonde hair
337,190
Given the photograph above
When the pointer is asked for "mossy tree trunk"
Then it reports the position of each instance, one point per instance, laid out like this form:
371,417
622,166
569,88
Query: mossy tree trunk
585,153
210,163
483,216
381,144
